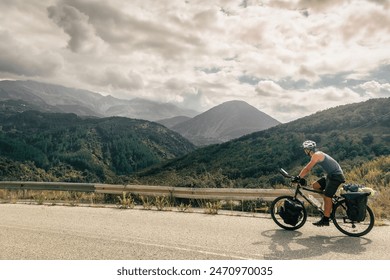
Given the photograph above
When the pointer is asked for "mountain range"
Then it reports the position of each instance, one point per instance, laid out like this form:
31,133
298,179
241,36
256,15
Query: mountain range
222,123
55,98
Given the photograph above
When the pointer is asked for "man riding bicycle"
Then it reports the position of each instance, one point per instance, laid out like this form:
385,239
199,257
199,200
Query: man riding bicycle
329,184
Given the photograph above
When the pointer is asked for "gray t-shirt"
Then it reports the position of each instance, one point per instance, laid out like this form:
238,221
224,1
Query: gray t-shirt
330,165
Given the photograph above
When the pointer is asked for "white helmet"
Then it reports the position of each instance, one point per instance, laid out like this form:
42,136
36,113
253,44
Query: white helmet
310,145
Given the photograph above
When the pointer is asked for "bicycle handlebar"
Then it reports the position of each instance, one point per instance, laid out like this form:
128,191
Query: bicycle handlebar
284,173
300,183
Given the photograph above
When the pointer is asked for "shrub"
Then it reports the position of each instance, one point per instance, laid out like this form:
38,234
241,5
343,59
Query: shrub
125,201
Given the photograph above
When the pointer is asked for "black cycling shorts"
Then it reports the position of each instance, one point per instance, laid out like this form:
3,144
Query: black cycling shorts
330,184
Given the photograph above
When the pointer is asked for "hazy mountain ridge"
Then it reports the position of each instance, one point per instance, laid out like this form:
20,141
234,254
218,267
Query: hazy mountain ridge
87,103
224,122
171,122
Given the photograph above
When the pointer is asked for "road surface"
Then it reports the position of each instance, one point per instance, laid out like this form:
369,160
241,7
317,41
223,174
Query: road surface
38,232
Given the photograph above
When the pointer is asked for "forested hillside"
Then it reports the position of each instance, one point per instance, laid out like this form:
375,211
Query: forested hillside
66,146
352,134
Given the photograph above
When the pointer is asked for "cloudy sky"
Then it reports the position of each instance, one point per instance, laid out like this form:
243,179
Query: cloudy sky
287,58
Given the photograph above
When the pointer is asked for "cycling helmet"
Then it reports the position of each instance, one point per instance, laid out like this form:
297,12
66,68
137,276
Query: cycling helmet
309,145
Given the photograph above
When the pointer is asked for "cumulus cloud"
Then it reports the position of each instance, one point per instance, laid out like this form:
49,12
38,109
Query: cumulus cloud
367,28
283,57
292,104
76,25
268,88
129,30
376,89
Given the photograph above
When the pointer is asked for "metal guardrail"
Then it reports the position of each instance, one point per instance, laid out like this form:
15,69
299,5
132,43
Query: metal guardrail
178,192
47,186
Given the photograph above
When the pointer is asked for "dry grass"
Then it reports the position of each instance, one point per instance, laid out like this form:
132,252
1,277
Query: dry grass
50,197
125,201
212,207
376,175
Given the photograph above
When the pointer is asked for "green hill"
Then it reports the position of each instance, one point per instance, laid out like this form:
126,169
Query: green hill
58,145
352,134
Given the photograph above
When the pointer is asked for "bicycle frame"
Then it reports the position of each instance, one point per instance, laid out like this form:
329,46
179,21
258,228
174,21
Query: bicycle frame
298,192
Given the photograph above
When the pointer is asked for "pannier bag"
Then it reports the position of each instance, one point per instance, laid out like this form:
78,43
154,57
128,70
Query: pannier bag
290,212
356,205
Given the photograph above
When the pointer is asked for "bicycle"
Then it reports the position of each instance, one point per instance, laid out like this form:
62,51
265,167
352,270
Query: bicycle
339,215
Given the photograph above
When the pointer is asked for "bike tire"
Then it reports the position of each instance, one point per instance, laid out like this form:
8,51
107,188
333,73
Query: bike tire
348,227
279,221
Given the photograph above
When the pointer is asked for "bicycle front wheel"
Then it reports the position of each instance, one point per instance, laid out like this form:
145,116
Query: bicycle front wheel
275,213
352,228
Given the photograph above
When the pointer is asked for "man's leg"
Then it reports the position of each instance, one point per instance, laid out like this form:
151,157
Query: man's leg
316,186
320,185
327,206
327,200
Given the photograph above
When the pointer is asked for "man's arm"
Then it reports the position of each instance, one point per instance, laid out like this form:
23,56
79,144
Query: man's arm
314,159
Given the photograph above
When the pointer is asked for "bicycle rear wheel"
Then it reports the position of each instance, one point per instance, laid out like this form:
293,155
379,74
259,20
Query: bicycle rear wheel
275,208
348,227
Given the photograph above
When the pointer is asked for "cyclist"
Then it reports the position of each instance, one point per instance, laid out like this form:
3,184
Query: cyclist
329,184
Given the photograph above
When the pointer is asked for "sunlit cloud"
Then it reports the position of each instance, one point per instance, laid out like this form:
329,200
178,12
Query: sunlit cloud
287,58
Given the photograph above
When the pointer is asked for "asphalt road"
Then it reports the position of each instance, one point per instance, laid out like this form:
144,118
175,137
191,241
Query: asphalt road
32,232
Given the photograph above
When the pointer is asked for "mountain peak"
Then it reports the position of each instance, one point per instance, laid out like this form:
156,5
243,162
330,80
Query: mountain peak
235,102
229,120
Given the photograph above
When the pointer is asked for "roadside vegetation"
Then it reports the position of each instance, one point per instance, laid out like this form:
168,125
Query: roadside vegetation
374,174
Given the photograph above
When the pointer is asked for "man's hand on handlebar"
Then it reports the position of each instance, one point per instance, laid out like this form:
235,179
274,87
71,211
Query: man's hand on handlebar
297,179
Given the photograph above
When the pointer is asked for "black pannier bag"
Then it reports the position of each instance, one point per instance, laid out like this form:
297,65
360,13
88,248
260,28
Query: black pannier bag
290,212
356,205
